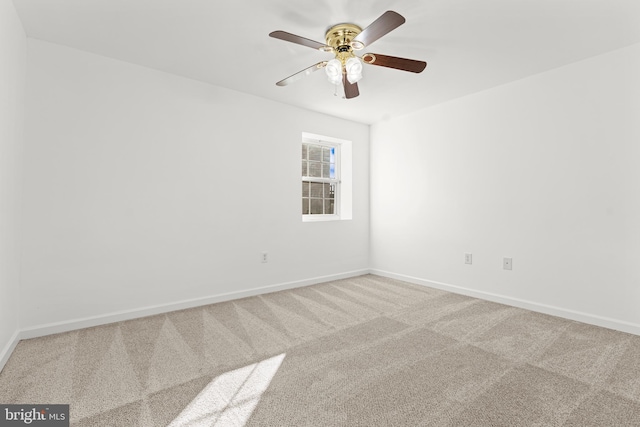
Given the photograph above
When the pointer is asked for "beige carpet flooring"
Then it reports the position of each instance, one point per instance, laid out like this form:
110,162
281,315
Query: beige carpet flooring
366,351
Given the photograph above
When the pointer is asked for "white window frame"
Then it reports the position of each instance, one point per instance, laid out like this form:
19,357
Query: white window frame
343,181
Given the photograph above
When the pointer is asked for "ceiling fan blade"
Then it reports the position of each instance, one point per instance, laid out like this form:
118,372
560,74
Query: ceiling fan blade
288,37
350,89
404,64
300,74
386,23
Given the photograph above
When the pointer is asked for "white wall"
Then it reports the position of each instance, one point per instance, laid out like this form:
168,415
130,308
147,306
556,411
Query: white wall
144,189
545,170
12,85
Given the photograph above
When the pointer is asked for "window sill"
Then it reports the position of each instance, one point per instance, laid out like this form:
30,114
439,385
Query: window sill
317,218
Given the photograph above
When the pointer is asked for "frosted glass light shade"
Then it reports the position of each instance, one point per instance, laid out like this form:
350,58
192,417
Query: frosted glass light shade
354,70
334,71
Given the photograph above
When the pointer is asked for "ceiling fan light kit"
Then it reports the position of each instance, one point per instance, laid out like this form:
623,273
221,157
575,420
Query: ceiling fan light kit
343,40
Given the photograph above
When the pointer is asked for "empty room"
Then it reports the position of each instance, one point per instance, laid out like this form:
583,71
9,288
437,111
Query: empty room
319,213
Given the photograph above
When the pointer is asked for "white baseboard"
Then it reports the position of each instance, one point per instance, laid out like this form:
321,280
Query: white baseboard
87,322
66,326
8,348
605,322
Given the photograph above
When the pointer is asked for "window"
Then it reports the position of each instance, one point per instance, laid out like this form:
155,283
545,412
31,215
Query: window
319,178
326,178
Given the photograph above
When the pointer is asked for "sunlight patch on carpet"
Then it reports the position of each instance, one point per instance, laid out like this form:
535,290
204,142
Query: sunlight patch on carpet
229,400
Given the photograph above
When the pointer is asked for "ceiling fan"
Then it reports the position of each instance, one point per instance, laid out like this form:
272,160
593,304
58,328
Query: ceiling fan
343,40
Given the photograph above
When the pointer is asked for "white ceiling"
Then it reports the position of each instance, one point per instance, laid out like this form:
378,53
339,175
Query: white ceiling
469,45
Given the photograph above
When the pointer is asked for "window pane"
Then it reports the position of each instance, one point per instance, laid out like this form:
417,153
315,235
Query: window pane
328,191
328,206
332,171
305,206
305,188
326,154
325,170
304,151
316,206
304,168
315,169
316,189
315,153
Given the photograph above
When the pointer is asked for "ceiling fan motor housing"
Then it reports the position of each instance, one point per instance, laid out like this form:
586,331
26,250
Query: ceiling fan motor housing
340,38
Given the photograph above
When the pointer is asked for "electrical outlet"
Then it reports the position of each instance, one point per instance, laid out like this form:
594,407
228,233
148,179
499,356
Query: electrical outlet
265,257
507,263
468,259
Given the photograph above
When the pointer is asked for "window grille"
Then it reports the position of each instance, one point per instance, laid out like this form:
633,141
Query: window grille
319,178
